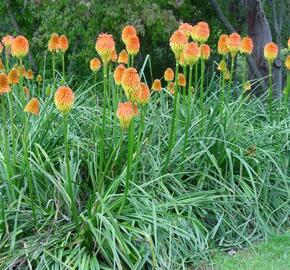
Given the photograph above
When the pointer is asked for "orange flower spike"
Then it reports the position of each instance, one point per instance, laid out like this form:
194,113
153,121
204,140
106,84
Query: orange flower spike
105,46
26,91
191,53
32,106
20,47
123,57
271,52
21,71
233,43
186,29
144,94
202,32
130,82
222,45
125,114
118,74
128,30
169,75
287,62
2,68
177,43
29,74
13,76
247,45
193,33
95,64
63,43
181,80
170,87
114,56
64,99
133,45
54,43
204,52
4,85
156,86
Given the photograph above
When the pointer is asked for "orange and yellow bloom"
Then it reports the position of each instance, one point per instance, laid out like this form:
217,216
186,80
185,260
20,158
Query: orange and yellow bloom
95,64
118,74
53,44
128,30
178,40
222,44
29,74
191,53
144,94
201,32
287,62
63,43
186,29
156,86
233,43
247,45
133,45
105,46
123,57
181,80
169,75
4,85
32,106
20,47
271,52
125,114
130,82
64,99
13,76
204,52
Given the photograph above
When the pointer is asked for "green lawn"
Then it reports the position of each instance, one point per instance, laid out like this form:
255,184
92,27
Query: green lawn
274,254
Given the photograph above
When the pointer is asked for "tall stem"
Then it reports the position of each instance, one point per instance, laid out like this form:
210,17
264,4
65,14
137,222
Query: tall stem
184,88
188,118
129,164
13,140
196,78
173,119
270,84
53,70
132,61
287,94
201,98
231,77
63,66
70,188
244,70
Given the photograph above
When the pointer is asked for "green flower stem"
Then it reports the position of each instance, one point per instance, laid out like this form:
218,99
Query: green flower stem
173,119
287,94
231,77
6,152
188,118
129,164
70,188
196,78
13,141
102,133
53,71
63,66
201,97
132,61
184,88
244,70
22,94
270,84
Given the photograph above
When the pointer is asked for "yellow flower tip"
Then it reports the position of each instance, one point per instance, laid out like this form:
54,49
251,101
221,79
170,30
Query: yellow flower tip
118,74
169,75
131,83
227,74
271,52
95,64
202,32
287,62
128,30
178,40
222,45
19,47
170,87
2,68
32,106
125,113
123,57
64,99
21,71
182,61
105,45
63,43
186,29
133,45
247,86
13,76
181,80
247,45
233,43
4,85
144,94
26,91
114,56
156,86
204,52
39,78
53,44
29,74
222,66
191,53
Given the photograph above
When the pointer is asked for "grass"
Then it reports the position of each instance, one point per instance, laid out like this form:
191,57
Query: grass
227,187
274,254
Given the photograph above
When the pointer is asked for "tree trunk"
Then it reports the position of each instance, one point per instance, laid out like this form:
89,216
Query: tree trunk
259,30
